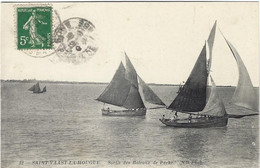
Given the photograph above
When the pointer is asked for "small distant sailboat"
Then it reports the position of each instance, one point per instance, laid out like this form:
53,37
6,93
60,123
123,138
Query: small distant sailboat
36,88
123,91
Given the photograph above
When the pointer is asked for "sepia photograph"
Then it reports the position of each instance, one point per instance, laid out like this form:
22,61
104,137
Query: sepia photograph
130,84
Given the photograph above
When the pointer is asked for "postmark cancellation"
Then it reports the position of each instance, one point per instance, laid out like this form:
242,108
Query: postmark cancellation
40,33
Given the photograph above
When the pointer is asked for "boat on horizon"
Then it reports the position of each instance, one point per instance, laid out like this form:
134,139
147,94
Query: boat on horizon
204,108
36,88
124,91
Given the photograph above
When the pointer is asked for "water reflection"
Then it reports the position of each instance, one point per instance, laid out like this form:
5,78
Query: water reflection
193,144
122,136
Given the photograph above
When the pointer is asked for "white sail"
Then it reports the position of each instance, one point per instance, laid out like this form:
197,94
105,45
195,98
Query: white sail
214,106
208,55
209,49
210,43
244,95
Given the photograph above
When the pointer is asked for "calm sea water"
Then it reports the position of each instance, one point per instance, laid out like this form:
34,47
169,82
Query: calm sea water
66,125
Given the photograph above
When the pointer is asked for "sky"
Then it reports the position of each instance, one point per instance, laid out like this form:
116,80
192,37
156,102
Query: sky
163,41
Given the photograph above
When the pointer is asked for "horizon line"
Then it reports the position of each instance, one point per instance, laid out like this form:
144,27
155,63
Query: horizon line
81,82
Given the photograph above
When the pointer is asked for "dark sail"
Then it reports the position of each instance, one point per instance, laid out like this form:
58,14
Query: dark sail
37,88
192,97
117,91
123,89
134,99
131,74
44,89
149,95
32,88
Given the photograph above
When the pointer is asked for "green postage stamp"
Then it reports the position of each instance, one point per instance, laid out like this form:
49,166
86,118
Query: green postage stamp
34,27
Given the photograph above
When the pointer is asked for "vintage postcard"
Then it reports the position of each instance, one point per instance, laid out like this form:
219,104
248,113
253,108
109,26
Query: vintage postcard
130,84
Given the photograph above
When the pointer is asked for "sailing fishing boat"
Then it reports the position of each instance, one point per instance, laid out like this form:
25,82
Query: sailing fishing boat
213,113
192,98
123,91
36,88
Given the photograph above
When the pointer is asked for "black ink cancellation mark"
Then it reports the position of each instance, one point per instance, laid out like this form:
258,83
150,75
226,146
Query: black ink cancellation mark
74,41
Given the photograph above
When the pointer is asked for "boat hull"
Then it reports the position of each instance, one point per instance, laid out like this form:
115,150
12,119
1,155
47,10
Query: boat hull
139,112
197,123
39,92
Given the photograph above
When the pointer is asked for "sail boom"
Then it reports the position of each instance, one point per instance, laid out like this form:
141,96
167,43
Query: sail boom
152,108
182,111
108,103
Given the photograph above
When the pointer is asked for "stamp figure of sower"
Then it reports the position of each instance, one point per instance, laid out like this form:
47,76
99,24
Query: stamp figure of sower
35,38
34,27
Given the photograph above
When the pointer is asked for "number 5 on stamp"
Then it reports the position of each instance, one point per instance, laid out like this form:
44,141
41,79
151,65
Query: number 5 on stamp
34,27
